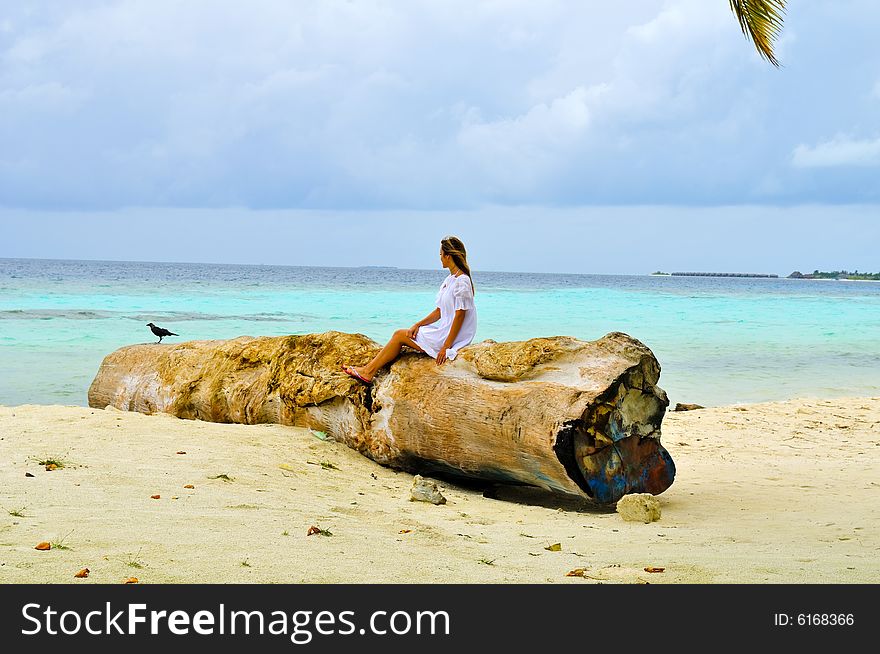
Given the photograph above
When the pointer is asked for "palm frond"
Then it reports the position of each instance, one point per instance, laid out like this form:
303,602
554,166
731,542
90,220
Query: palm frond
760,21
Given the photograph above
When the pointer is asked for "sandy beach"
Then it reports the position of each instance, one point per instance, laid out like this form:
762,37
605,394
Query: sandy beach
767,493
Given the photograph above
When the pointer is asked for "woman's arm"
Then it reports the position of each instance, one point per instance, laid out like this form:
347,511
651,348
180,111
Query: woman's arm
431,318
453,333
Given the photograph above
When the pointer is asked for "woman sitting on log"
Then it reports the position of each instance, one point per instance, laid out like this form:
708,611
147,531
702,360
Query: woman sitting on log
451,326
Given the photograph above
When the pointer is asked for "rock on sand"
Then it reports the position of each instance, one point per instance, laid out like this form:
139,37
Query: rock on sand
639,507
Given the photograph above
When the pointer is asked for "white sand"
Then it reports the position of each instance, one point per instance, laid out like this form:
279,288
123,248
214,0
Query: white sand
769,493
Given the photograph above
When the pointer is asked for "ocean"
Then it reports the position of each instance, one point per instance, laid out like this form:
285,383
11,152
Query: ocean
719,340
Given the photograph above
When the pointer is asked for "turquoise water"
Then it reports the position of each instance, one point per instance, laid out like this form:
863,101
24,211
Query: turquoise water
719,340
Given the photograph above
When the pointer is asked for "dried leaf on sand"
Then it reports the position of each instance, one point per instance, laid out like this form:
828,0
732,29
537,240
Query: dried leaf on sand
313,531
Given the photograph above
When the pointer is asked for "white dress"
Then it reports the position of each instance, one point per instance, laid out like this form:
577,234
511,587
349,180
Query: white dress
455,293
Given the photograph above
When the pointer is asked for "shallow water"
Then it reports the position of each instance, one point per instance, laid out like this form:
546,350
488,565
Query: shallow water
719,340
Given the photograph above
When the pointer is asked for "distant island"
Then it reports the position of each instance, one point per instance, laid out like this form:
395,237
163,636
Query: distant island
713,274
816,274
838,274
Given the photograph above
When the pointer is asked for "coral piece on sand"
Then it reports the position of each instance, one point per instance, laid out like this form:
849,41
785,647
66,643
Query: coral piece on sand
639,507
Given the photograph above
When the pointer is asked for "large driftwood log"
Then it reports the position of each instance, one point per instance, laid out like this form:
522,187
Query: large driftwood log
575,417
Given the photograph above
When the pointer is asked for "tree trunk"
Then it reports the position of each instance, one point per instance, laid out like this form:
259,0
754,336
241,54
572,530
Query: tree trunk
575,417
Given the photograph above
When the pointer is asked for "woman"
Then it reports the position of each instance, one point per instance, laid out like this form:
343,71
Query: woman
451,326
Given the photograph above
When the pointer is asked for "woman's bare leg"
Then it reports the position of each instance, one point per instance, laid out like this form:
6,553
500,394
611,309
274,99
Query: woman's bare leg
388,354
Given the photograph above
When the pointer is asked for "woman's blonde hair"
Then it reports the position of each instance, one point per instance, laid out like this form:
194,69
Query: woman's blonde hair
453,247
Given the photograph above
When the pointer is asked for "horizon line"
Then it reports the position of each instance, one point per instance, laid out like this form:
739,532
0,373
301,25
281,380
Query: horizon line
284,265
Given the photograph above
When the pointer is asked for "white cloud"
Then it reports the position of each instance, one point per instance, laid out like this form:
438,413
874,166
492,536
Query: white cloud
382,103
671,20
542,127
839,151
48,97
514,155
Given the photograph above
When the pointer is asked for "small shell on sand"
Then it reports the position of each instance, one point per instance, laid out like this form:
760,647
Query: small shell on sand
424,490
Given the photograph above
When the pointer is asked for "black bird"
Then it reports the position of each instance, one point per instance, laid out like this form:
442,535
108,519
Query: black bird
160,332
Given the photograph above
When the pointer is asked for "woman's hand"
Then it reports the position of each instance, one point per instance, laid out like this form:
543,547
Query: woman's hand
413,331
441,357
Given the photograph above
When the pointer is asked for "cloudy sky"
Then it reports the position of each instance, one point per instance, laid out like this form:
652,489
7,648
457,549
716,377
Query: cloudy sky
576,136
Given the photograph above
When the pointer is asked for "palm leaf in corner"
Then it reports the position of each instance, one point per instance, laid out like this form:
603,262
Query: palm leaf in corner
761,21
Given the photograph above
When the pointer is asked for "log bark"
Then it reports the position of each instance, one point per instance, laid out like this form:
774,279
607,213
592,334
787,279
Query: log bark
575,417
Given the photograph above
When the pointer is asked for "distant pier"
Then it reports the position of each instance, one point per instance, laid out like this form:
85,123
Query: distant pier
708,274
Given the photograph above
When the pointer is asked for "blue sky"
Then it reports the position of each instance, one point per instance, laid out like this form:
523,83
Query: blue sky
573,136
